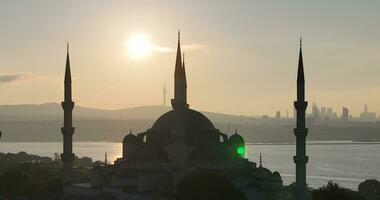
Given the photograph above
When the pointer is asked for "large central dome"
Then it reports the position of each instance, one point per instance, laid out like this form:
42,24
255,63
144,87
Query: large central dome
191,121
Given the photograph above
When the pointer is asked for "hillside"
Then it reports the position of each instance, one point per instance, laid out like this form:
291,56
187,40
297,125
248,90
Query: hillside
41,123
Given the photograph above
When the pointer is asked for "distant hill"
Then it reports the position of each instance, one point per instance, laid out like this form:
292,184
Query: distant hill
53,111
41,123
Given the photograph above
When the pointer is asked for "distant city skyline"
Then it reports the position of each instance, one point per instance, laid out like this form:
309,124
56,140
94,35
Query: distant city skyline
245,65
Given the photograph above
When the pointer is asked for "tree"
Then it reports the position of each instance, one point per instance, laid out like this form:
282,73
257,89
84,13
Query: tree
207,186
332,191
13,183
371,186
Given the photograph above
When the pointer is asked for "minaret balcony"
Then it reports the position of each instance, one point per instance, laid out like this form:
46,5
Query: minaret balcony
300,105
68,131
67,156
300,132
300,159
67,105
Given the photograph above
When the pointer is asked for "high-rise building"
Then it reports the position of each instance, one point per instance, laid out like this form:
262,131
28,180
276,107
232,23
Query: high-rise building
335,115
323,112
278,114
329,113
345,114
287,114
315,111
367,116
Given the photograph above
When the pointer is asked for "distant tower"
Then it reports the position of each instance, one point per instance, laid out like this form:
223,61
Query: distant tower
261,161
105,159
287,114
67,130
278,114
180,85
164,95
300,132
365,108
345,114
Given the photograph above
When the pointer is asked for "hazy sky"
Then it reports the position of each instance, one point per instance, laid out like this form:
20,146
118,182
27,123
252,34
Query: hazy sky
241,56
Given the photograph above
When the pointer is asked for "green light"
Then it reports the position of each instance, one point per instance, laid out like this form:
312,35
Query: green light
240,151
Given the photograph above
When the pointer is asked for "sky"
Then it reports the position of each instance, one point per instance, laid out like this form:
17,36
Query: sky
241,56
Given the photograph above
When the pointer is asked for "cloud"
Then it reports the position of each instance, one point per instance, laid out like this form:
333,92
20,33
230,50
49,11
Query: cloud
193,47
190,47
16,77
8,78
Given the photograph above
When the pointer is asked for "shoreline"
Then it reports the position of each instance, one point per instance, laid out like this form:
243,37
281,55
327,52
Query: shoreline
327,142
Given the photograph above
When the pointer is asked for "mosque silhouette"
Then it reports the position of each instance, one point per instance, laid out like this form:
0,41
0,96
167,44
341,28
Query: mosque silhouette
180,142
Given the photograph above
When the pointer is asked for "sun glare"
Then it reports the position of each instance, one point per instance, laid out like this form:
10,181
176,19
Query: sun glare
139,46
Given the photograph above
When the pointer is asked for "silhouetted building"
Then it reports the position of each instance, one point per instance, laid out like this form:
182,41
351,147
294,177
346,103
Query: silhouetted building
67,130
180,142
329,114
278,115
335,115
345,114
300,132
323,113
367,116
315,111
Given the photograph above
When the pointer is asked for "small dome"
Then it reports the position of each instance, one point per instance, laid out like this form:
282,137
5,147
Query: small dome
262,173
276,176
236,139
130,138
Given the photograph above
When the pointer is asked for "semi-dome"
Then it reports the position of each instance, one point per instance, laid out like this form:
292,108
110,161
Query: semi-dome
236,139
191,120
130,138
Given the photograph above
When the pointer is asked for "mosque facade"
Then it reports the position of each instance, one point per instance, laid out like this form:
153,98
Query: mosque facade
180,142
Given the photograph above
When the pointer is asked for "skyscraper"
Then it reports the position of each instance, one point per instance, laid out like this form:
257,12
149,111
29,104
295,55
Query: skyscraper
300,132
323,113
67,130
329,113
345,115
278,114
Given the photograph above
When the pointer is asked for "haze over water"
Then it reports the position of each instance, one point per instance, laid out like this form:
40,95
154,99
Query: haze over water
346,164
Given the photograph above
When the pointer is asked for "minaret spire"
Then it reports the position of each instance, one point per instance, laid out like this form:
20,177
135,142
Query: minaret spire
180,85
67,130
184,72
67,75
178,61
300,132
300,75
261,161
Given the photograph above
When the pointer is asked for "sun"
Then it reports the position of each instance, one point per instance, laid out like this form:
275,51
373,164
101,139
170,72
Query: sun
139,46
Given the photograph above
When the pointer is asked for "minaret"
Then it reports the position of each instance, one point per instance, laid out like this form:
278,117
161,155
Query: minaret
300,132
180,86
164,95
261,161
67,130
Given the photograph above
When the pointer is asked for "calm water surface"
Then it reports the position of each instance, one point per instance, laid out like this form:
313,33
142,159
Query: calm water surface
347,164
